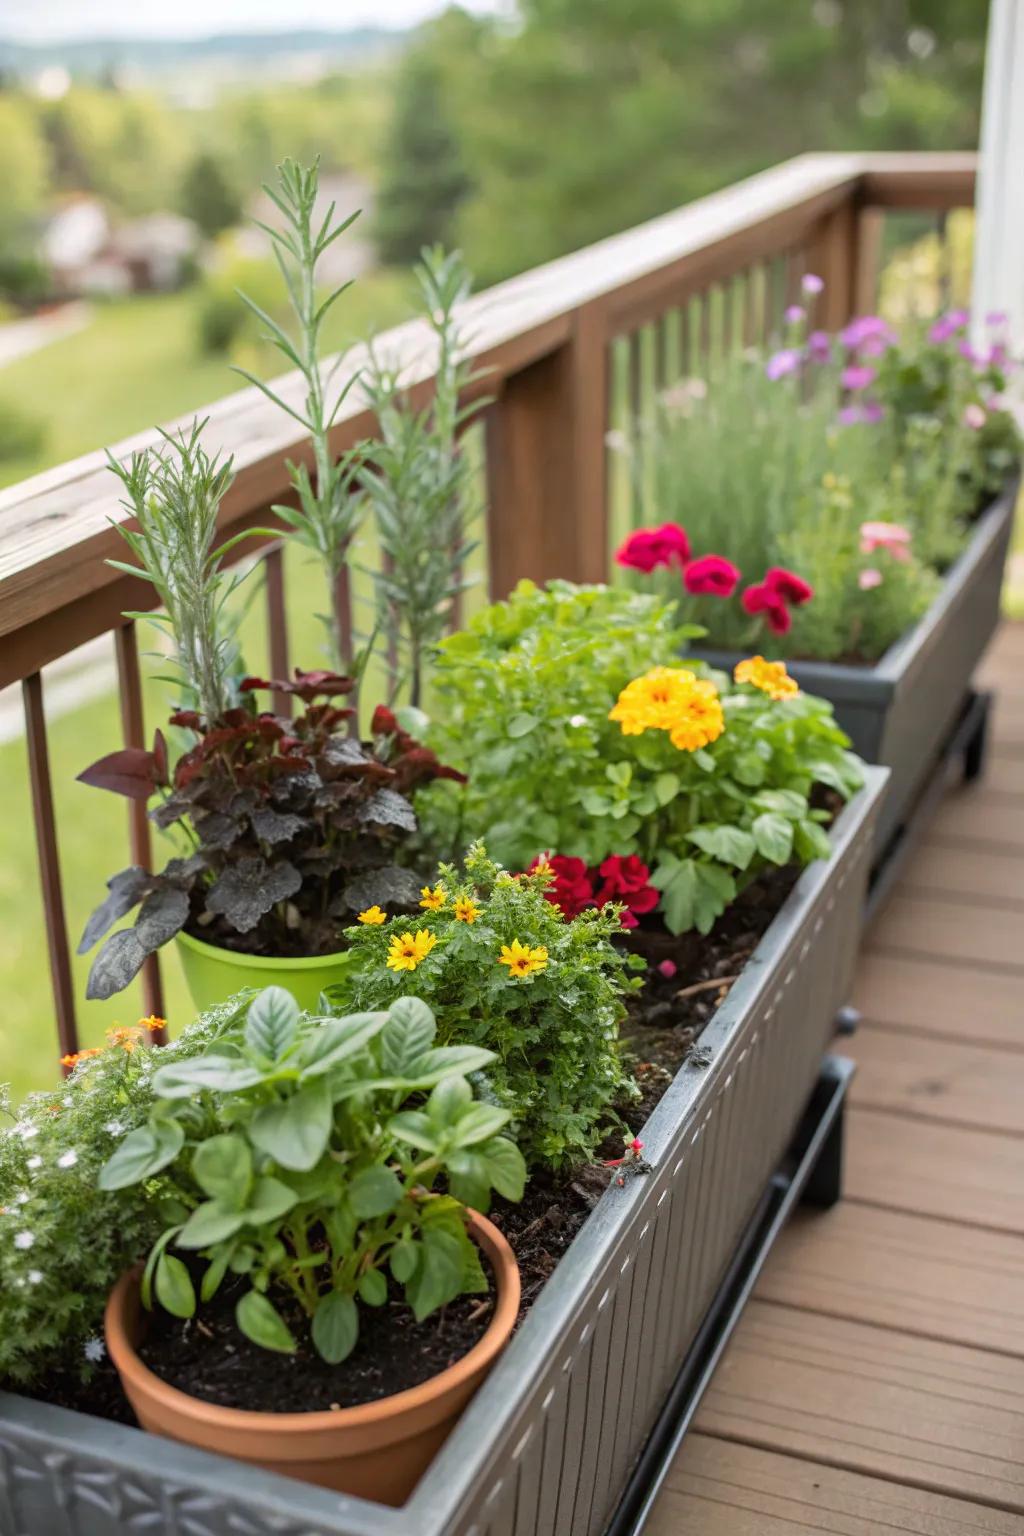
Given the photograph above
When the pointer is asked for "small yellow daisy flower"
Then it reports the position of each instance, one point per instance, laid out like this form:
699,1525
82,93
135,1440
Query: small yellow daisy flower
406,950
433,900
466,910
521,959
770,676
373,915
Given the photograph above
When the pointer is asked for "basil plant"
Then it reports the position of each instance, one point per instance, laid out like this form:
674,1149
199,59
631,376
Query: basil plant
298,1161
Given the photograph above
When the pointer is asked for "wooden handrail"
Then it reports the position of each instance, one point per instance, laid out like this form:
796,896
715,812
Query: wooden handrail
55,590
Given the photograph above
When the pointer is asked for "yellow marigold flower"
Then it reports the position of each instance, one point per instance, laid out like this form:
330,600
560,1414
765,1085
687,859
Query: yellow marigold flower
126,1038
466,910
671,699
373,915
406,950
521,959
770,676
433,900
153,1023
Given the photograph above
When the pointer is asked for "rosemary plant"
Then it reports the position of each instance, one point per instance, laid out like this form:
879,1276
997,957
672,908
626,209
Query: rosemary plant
328,514
419,483
174,493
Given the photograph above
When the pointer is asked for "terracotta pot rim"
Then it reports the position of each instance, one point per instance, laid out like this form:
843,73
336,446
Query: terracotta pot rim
507,1283
242,960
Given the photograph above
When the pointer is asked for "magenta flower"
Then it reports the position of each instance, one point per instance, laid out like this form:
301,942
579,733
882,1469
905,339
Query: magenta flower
996,318
782,363
870,333
857,376
819,346
892,537
667,968
862,413
947,326
790,587
711,575
812,283
794,314
648,548
869,578
975,416
765,600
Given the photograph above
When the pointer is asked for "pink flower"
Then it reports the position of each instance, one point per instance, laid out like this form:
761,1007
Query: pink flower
870,333
667,968
711,574
782,363
648,548
790,587
794,314
857,376
947,326
812,283
819,346
861,413
996,318
869,578
765,600
975,416
892,537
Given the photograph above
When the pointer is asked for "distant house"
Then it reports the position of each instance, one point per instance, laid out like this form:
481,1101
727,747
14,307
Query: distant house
349,257
86,254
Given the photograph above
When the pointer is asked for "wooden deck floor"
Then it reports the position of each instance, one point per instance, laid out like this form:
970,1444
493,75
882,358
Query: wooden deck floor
876,1381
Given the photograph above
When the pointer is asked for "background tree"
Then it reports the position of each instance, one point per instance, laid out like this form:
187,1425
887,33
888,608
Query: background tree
208,197
423,177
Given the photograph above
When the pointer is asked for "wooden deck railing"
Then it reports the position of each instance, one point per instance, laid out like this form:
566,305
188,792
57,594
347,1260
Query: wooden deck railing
637,309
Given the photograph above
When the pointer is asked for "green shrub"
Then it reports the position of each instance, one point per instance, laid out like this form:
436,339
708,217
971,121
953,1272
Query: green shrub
502,968
22,433
222,319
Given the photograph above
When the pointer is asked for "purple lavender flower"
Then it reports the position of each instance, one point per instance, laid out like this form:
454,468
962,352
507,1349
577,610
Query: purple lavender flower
819,346
794,314
857,376
868,332
782,363
947,326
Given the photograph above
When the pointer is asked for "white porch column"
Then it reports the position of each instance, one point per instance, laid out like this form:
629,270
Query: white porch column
998,282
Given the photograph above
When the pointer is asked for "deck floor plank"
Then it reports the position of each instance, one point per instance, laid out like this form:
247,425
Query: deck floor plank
945,930
963,1002
721,1489
953,1082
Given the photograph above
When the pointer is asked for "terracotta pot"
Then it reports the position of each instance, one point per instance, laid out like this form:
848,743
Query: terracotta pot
376,1451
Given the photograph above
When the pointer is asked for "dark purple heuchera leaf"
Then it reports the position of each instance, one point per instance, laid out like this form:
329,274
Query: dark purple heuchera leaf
388,809
132,772
391,886
170,810
273,826
126,890
161,915
216,830
246,891
182,872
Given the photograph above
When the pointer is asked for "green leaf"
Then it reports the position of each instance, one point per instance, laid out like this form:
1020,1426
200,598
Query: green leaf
295,1131
261,1322
222,1166
678,886
619,773
173,1285
408,1033
595,804
506,1166
270,1200
479,1123
337,1039
403,1259
811,842
210,1223
773,835
213,1073
373,1288
666,787
439,1274
522,725
335,1327
469,1179
716,888
450,1099
215,1272
749,769
784,802
729,844
142,1153
444,1060
413,1126
271,1023
374,1192
146,1286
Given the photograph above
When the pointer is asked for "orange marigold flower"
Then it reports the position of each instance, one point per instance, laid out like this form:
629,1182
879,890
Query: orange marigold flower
153,1023
127,1038
671,699
770,676
83,1055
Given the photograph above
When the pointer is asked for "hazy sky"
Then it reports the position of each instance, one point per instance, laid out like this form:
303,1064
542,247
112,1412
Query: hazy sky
49,19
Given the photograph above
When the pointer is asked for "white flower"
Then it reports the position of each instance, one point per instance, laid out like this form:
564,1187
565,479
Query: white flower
577,720
67,1101
67,1159
34,1162
35,1277
94,1350
113,1127
26,1131
24,1240
23,1198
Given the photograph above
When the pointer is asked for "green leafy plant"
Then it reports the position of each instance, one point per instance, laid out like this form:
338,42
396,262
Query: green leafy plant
63,1241
420,484
503,968
705,781
303,1161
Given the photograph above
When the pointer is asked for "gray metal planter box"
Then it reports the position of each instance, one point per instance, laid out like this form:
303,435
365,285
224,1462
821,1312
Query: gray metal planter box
901,711
546,1445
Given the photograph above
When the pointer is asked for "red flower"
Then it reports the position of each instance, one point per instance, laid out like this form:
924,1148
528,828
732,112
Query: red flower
711,574
790,587
571,890
769,602
626,879
648,548
383,722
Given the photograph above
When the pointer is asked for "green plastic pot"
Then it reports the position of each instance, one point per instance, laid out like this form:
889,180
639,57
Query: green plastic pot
213,974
